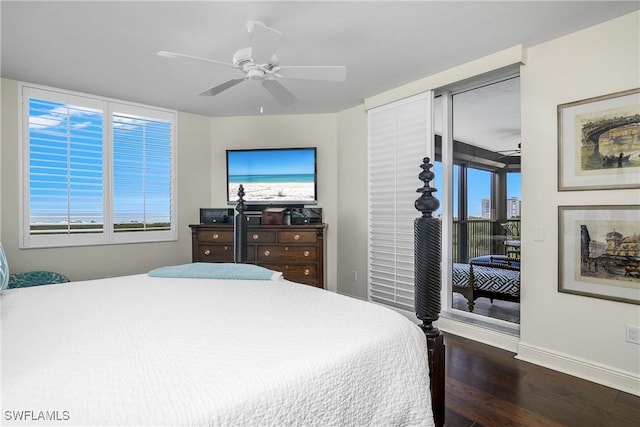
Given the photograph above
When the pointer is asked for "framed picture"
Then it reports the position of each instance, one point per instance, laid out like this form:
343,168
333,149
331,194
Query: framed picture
599,142
599,251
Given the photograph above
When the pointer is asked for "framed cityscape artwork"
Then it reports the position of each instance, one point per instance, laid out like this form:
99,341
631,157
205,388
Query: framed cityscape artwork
599,251
599,142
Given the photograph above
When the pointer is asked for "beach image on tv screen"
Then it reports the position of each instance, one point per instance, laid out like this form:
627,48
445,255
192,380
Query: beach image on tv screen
272,176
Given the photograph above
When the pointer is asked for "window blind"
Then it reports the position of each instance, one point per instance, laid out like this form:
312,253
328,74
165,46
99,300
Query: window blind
399,138
141,173
65,166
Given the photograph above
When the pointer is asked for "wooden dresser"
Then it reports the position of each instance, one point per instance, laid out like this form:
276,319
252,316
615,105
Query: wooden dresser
295,250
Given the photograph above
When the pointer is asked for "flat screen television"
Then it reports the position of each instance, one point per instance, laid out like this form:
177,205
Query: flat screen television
273,176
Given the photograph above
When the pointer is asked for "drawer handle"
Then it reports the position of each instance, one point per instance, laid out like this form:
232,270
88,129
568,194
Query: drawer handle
296,237
216,236
226,248
286,248
306,272
255,236
306,253
207,252
267,253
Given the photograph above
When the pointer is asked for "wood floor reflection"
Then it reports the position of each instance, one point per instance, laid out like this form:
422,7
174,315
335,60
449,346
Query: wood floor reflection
503,310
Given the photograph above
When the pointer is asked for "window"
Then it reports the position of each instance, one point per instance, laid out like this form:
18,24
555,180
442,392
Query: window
472,212
95,171
513,194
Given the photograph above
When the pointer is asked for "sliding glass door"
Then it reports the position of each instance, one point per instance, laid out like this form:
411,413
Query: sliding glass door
481,152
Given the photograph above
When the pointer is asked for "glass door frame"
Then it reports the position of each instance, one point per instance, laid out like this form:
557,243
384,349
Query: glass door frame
446,198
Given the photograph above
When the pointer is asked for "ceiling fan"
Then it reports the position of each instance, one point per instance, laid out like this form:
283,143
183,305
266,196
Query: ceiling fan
510,158
259,62
510,152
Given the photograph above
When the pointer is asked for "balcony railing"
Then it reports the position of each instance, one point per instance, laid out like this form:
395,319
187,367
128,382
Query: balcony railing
476,237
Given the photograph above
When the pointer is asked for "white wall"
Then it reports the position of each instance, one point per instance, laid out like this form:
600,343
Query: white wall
1,177
79,263
585,336
304,130
352,202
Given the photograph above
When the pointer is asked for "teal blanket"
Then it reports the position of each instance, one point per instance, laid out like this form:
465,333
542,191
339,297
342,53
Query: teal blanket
209,270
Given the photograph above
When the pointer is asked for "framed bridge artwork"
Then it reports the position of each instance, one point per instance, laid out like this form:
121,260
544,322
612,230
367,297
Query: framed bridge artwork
599,142
599,251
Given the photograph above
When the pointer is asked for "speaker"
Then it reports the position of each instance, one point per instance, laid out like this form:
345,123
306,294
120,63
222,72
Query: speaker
306,216
216,216
254,219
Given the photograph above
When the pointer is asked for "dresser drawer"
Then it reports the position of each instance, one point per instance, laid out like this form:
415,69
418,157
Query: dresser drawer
287,254
297,236
221,253
307,274
215,253
261,236
300,273
216,236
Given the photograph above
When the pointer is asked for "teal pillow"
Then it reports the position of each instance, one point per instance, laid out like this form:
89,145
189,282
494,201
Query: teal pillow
35,278
4,269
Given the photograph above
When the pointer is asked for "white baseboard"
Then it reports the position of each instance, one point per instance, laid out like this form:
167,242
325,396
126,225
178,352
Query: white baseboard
605,375
480,334
599,374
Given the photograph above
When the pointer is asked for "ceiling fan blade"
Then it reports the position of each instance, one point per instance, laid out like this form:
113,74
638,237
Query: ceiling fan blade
334,73
191,58
264,42
221,87
279,92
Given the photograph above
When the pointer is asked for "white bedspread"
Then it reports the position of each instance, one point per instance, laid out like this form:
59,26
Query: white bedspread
138,350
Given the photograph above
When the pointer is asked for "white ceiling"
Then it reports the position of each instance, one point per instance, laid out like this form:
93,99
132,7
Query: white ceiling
109,48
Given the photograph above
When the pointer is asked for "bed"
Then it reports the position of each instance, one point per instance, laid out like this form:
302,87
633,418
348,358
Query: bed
490,276
210,349
142,350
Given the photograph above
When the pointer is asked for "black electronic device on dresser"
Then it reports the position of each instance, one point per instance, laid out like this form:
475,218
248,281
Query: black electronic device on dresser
305,216
216,216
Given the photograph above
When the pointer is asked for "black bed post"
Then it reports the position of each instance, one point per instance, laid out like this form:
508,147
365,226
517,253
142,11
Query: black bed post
240,230
427,238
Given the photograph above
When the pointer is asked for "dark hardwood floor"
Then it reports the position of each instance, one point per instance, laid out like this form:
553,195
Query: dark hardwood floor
487,386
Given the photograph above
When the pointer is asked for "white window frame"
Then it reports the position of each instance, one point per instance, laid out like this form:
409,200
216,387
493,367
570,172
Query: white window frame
108,106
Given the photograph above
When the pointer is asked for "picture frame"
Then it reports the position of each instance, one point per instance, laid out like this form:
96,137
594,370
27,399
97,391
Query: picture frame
599,142
599,251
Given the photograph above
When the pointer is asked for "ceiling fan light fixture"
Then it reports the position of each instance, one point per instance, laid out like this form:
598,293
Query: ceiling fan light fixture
255,74
243,58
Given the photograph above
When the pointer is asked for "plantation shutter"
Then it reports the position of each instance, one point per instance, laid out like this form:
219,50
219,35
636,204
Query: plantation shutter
141,169
64,160
399,138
